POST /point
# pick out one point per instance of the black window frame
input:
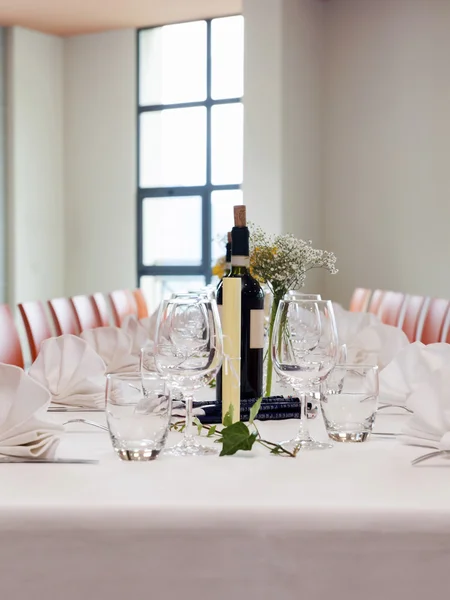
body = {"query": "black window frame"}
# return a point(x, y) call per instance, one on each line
point(204, 191)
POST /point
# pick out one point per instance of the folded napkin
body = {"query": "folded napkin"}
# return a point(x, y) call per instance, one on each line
point(24, 431)
point(71, 370)
point(349, 324)
point(114, 345)
point(376, 345)
point(138, 332)
point(149, 324)
point(412, 367)
point(430, 424)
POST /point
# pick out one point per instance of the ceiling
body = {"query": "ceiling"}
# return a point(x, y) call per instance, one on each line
point(73, 17)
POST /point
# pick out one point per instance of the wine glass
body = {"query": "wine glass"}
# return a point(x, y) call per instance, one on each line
point(297, 295)
point(304, 351)
point(188, 354)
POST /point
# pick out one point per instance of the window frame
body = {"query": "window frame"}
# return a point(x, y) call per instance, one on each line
point(204, 191)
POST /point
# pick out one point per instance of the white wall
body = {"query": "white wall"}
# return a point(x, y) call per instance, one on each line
point(387, 145)
point(283, 121)
point(35, 166)
point(100, 161)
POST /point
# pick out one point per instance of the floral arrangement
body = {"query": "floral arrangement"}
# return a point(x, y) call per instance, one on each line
point(281, 262)
point(219, 268)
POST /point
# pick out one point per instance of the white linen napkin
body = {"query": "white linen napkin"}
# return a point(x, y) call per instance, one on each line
point(430, 424)
point(412, 367)
point(349, 324)
point(24, 432)
point(72, 371)
point(149, 323)
point(377, 344)
point(114, 345)
point(138, 333)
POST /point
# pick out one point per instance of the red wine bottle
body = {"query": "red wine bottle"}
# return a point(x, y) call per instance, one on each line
point(252, 311)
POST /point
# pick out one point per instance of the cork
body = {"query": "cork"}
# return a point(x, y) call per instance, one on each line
point(240, 219)
point(229, 237)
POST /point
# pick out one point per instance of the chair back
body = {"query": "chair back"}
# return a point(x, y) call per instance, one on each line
point(122, 304)
point(360, 300)
point(375, 302)
point(86, 311)
point(36, 325)
point(414, 311)
point(433, 324)
point(102, 307)
point(10, 349)
point(64, 316)
point(141, 303)
point(391, 307)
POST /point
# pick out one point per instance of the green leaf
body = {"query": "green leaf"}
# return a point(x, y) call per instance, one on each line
point(198, 425)
point(237, 437)
point(275, 450)
point(228, 417)
point(211, 431)
point(255, 410)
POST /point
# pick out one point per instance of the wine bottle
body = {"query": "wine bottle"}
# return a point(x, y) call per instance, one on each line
point(228, 255)
point(252, 312)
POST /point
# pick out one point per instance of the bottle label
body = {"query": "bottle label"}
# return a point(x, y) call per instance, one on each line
point(240, 261)
point(257, 328)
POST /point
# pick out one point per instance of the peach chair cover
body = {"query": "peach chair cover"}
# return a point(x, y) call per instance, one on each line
point(87, 313)
point(391, 308)
point(360, 300)
point(10, 350)
point(36, 325)
point(64, 316)
point(375, 302)
point(102, 308)
point(122, 304)
point(413, 314)
point(433, 324)
point(141, 304)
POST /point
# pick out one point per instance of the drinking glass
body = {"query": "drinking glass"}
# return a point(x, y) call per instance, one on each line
point(304, 351)
point(349, 402)
point(297, 295)
point(138, 411)
point(188, 354)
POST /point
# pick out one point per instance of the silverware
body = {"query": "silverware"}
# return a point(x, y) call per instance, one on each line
point(424, 457)
point(86, 422)
point(73, 409)
point(63, 461)
point(385, 434)
point(408, 410)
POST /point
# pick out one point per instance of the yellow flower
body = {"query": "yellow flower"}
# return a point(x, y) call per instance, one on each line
point(219, 268)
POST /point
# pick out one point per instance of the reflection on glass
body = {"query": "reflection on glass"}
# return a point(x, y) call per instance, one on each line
point(227, 57)
point(173, 147)
point(227, 143)
point(222, 219)
point(172, 67)
point(161, 288)
point(172, 231)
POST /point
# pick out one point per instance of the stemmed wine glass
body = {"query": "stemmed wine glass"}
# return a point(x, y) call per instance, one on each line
point(304, 351)
point(188, 354)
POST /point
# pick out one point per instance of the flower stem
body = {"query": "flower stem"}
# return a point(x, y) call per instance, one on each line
point(273, 314)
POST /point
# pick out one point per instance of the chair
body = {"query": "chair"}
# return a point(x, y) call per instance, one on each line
point(36, 325)
point(433, 324)
point(391, 307)
point(141, 303)
point(86, 311)
point(64, 316)
point(102, 308)
point(123, 304)
point(10, 350)
point(375, 302)
point(360, 300)
point(413, 313)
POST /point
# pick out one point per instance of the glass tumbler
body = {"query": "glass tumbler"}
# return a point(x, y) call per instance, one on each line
point(138, 412)
point(349, 401)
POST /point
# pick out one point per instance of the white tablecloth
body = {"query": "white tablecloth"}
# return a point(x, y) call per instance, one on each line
point(354, 522)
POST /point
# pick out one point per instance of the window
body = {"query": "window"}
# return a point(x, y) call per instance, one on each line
point(190, 149)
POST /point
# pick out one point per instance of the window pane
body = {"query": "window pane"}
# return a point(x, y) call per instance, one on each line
point(172, 231)
point(173, 147)
point(172, 63)
point(227, 57)
point(157, 289)
point(222, 218)
point(227, 143)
